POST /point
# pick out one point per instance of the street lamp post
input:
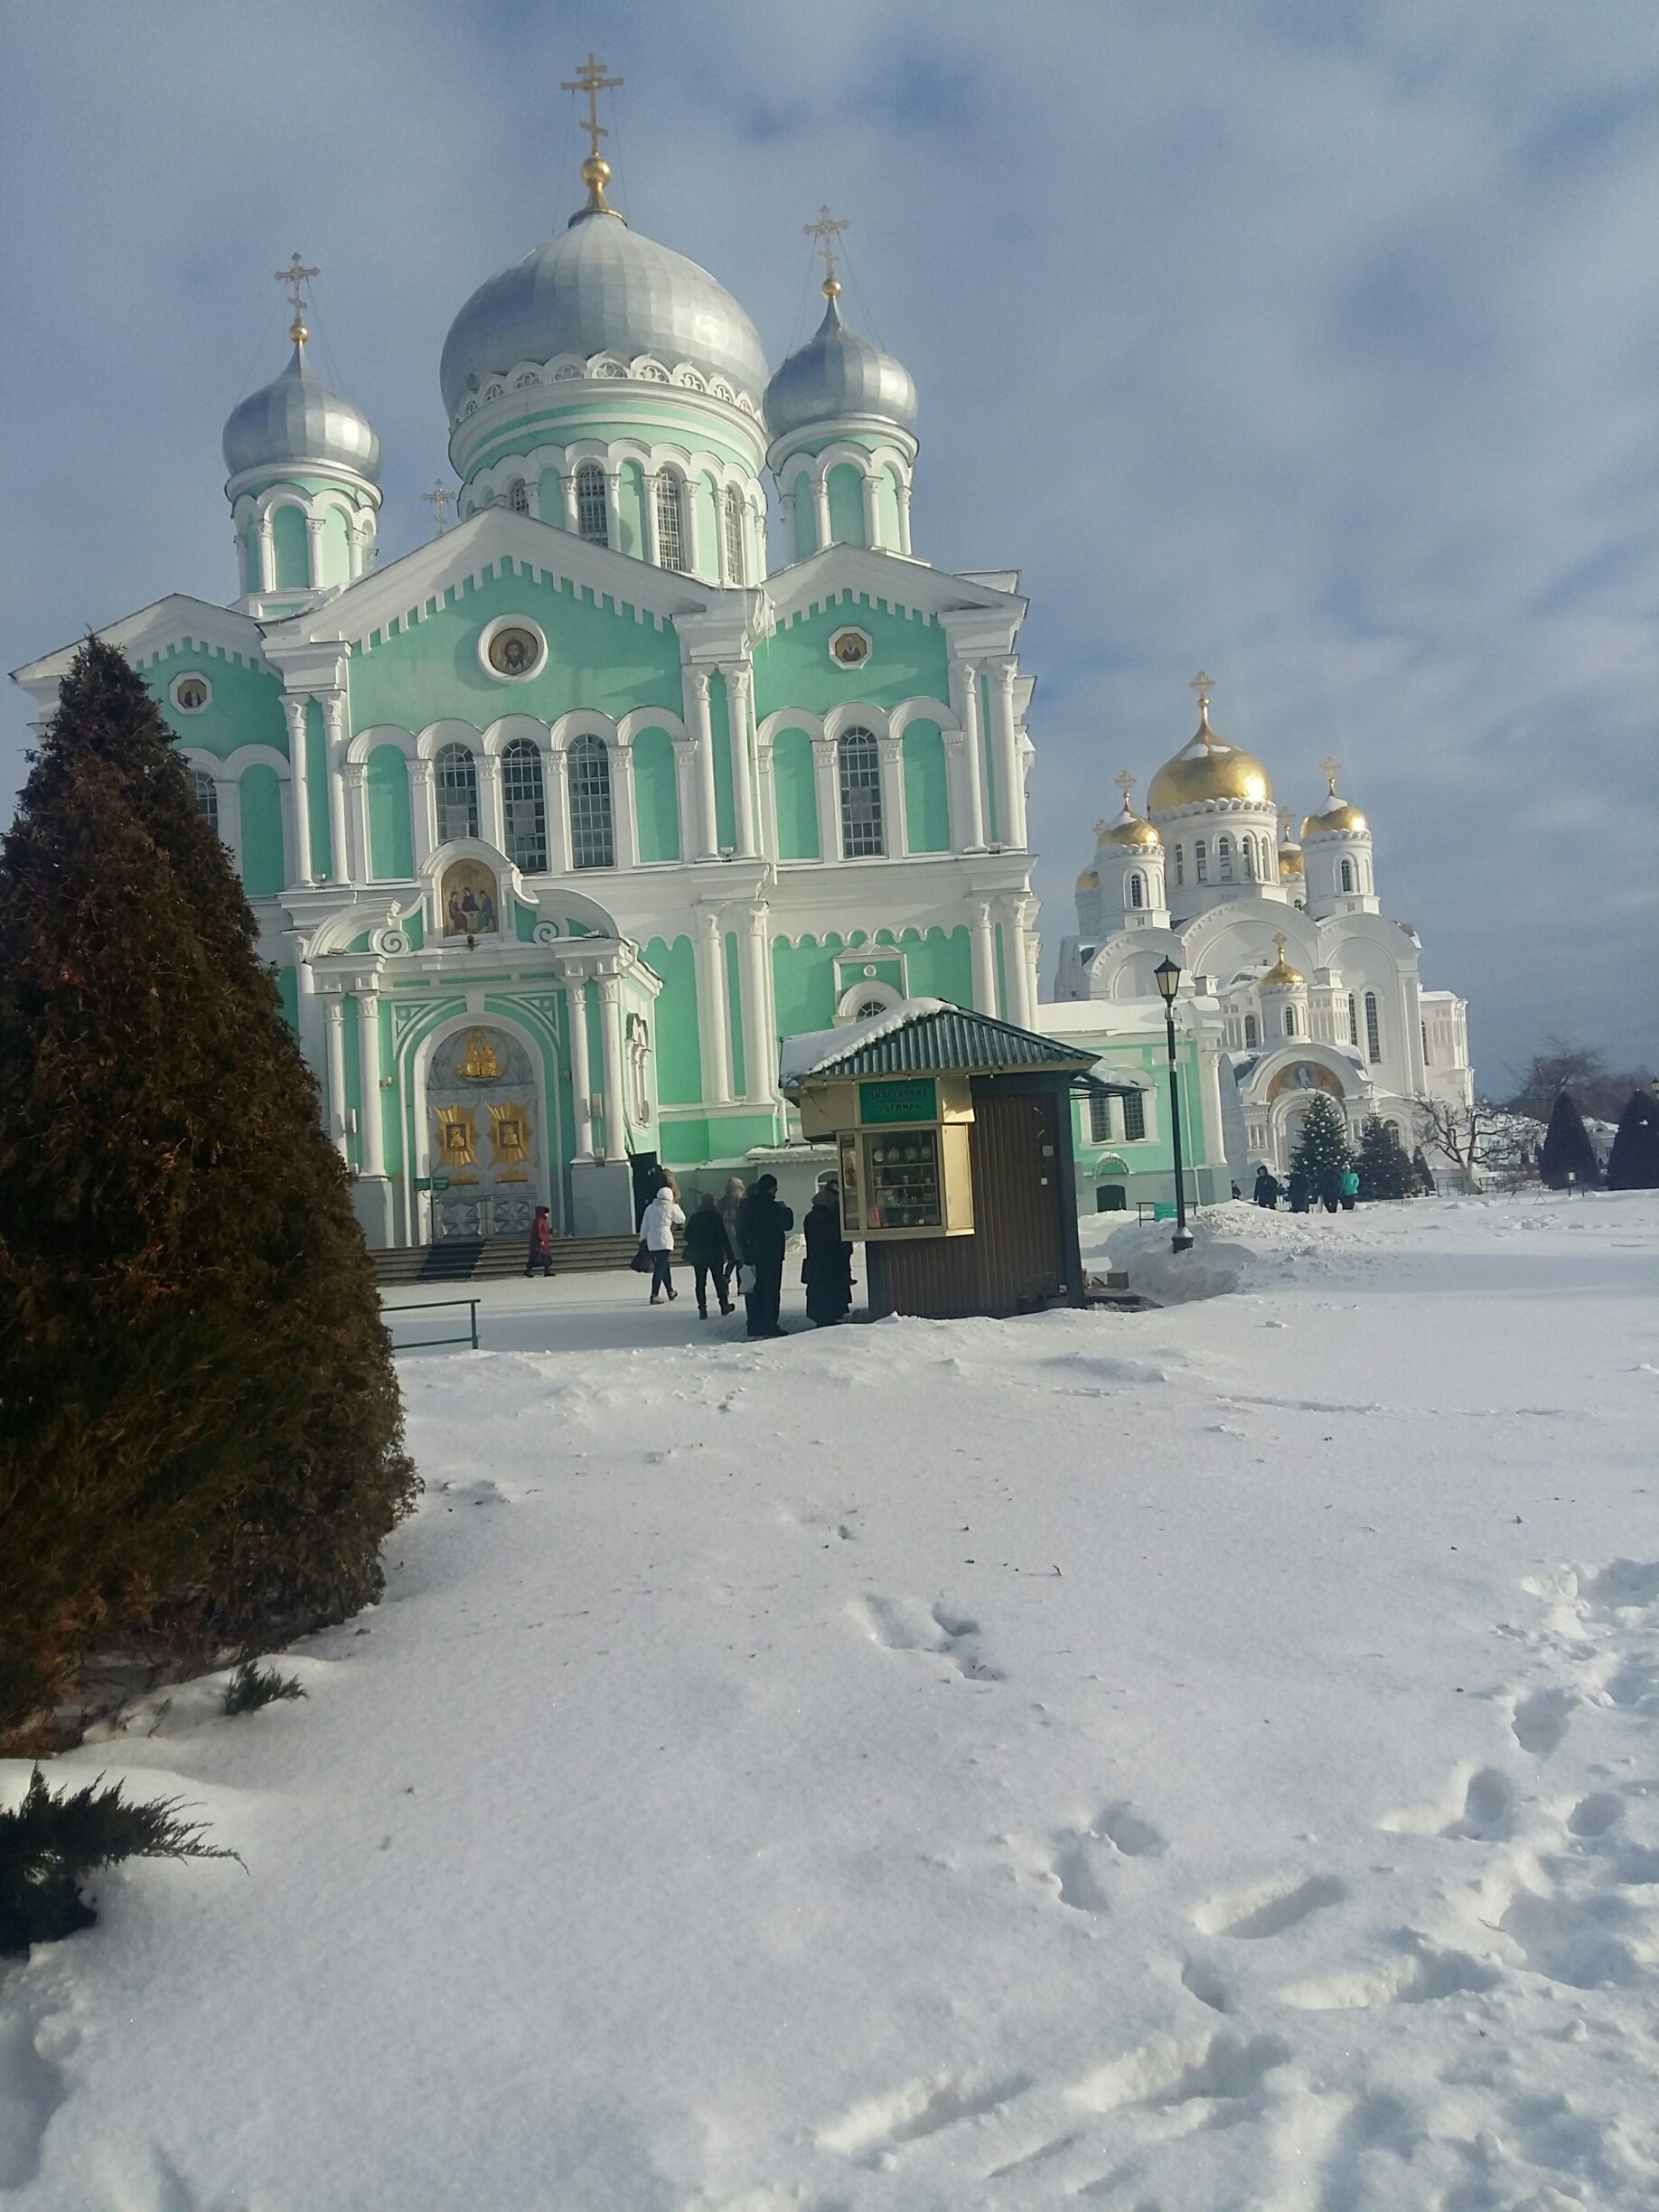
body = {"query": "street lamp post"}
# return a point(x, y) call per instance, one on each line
point(1167, 977)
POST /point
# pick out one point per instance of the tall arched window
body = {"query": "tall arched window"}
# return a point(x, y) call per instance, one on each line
point(592, 829)
point(860, 762)
point(525, 807)
point(670, 521)
point(1247, 847)
point(592, 508)
point(735, 564)
point(1252, 1033)
point(518, 496)
point(1180, 863)
point(1347, 874)
point(457, 793)
point(206, 798)
point(1289, 1021)
point(1201, 860)
point(1353, 1019)
point(1138, 890)
point(1374, 1027)
point(1224, 858)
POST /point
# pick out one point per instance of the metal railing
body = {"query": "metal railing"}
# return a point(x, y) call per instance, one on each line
point(431, 1343)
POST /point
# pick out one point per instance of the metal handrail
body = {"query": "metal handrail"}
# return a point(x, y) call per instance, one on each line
point(432, 1344)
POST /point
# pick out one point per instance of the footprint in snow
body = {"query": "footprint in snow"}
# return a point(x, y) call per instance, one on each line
point(873, 2130)
point(1540, 1720)
point(904, 1624)
point(1269, 1909)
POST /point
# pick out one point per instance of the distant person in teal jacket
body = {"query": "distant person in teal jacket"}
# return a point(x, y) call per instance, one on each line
point(1349, 1188)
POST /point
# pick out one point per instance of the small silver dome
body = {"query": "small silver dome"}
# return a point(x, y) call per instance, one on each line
point(598, 287)
point(296, 419)
point(836, 374)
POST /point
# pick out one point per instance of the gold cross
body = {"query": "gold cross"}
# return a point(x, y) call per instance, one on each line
point(1202, 685)
point(1328, 769)
point(296, 276)
point(826, 231)
point(1125, 783)
point(592, 80)
point(440, 499)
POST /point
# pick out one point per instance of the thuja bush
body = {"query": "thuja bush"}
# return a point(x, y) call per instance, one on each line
point(1566, 1157)
point(1384, 1171)
point(201, 1440)
point(252, 1686)
point(53, 1841)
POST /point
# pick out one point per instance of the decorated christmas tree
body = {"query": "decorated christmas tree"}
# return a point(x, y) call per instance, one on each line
point(1566, 1159)
point(1321, 1144)
point(1634, 1161)
point(1384, 1171)
point(202, 1437)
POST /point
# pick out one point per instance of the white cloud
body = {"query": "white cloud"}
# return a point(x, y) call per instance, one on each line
point(1313, 343)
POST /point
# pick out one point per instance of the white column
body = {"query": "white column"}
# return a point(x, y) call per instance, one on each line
point(648, 518)
point(354, 782)
point(334, 1034)
point(293, 708)
point(556, 793)
point(267, 552)
point(685, 794)
point(610, 1054)
point(702, 737)
point(738, 697)
point(612, 509)
point(371, 1120)
point(904, 508)
point(1034, 954)
point(334, 756)
point(767, 797)
point(984, 959)
point(422, 812)
point(623, 816)
point(895, 835)
point(581, 1076)
point(567, 484)
point(827, 786)
point(1010, 792)
point(313, 550)
point(760, 1042)
point(708, 948)
point(492, 821)
point(820, 507)
point(872, 515)
point(1017, 960)
point(966, 677)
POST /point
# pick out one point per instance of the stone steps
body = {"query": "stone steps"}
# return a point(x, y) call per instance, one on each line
point(463, 1260)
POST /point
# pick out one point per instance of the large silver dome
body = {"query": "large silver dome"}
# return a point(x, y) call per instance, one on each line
point(598, 287)
point(297, 418)
point(836, 374)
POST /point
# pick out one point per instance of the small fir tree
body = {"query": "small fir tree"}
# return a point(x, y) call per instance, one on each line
point(200, 1429)
point(1634, 1162)
point(1422, 1183)
point(1321, 1144)
point(1566, 1157)
point(1384, 1171)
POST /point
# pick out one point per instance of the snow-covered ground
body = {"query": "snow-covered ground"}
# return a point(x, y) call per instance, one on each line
point(1201, 1759)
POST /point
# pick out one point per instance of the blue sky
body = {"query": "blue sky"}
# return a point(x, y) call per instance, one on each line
point(1314, 343)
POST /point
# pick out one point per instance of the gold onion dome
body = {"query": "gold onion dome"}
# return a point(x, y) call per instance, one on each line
point(1130, 829)
point(1281, 976)
point(1208, 767)
point(1088, 881)
point(1290, 852)
point(1338, 815)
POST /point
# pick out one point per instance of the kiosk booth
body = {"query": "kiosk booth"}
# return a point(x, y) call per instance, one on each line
point(952, 1133)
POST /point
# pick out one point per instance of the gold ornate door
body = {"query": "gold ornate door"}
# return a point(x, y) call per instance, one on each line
point(481, 1136)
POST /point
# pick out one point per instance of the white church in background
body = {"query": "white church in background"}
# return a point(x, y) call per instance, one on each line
point(1313, 987)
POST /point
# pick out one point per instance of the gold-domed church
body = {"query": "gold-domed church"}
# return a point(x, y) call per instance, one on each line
point(1294, 968)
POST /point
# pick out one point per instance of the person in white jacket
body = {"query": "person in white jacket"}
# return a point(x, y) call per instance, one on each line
point(662, 1217)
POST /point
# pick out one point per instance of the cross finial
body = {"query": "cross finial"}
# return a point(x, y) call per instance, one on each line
point(1329, 770)
point(1125, 783)
point(592, 80)
point(826, 231)
point(296, 276)
point(440, 499)
point(1202, 685)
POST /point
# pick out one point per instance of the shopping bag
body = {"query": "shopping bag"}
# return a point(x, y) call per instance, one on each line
point(642, 1263)
point(746, 1280)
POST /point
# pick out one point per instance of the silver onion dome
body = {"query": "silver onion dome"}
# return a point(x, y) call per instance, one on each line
point(599, 287)
point(297, 418)
point(837, 373)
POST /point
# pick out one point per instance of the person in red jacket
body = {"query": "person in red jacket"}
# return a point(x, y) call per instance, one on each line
point(541, 1254)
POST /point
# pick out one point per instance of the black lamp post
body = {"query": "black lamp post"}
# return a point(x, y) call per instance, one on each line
point(1167, 977)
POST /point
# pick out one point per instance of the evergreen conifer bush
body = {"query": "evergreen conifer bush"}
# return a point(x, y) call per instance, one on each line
point(1423, 1176)
point(201, 1439)
point(1567, 1155)
point(252, 1686)
point(1322, 1142)
point(1634, 1162)
point(52, 1844)
point(1384, 1171)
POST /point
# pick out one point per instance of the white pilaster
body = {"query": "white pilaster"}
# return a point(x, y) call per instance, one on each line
point(567, 484)
point(556, 793)
point(581, 1075)
point(894, 833)
point(612, 509)
point(820, 508)
point(648, 518)
point(760, 1042)
point(702, 738)
point(371, 1119)
point(354, 784)
point(334, 758)
point(492, 820)
point(984, 957)
point(266, 538)
point(610, 1051)
point(422, 812)
point(872, 515)
point(293, 709)
point(623, 814)
point(965, 681)
point(766, 790)
point(827, 784)
point(738, 694)
point(335, 1035)
point(313, 550)
point(685, 794)
point(1012, 914)
point(904, 508)
point(1005, 747)
point(714, 1031)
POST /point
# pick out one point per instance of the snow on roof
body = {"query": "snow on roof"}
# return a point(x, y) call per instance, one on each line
point(814, 1047)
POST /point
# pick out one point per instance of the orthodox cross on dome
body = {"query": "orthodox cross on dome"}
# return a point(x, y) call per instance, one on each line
point(826, 231)
point(440, 499)
point(296, 276)
point(1125, 783)
point(592, 80)
point(1202, 685)
point(1328, 769)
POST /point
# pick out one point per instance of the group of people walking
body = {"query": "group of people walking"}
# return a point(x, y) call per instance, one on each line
point(1333, 1187)
point(742, 1236)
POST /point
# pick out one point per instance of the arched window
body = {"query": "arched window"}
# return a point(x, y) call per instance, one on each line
point(734, 535)
point(457, 793)
point(869, 1009)
point(1138, 890)
point(670, 521)
point(1201, 861)
point(592, 508)
point(1373, 1028)
point(1424, 1026)
point(1247, 846)
point(1347, 874)
point(525, 807)
point(1224, 858)
point(1353, 1021)
point(1289, 1021)
point(592, 829)
point(1134, 1116)
point(206, 798)
point(518, 496)
point(1180, 865)
point(1252, 1033)
point(860, 762)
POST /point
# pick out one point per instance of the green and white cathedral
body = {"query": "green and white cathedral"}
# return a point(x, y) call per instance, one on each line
point(557, 826)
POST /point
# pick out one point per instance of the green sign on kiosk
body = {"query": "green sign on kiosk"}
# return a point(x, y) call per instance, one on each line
point(887, 1105)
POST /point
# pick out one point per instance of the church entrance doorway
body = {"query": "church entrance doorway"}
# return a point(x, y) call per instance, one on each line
point(483, 1147)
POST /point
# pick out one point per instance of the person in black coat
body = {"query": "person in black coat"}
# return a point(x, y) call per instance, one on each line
point(1267, 1187)
point(763, 1224)
point(710, 1253)
point(827, 1270)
